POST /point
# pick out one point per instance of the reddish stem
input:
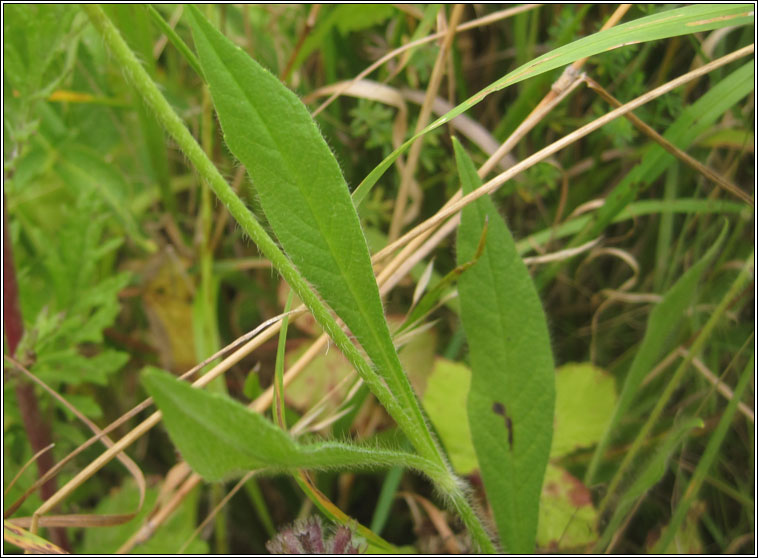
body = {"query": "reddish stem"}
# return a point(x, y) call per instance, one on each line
point(37, 430)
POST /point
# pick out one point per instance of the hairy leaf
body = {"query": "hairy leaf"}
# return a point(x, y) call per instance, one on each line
point(512, 396)
point(304, 196)
point(221, 438)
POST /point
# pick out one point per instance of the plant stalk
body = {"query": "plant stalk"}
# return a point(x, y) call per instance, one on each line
point(416, 430)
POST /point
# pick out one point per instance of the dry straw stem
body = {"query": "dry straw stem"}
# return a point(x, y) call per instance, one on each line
point(131, 466)
point(398, 214)
point(25, 467)
point(671, 148)
point(486, 20)
point(437, 518)
point(553, 148)
point(562, 87)
point(721, 387)
point(561, 254)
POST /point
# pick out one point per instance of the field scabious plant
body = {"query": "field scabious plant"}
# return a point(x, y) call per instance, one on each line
point(505, 418)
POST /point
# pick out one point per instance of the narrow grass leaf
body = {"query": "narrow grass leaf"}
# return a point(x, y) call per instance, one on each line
point(512, 396)
point(705, 463)
point(670, 23)
point(386, 499)
point(662, 326)
point(342, 19)
point(433, 296)
point(689, 125)
point(221, 438)
point(636, 209)
point(279, 367)
point(650, 474)
point(304, 196)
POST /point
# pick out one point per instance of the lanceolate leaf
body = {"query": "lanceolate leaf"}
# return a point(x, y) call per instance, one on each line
point(512, 395)
point(303, 194)
point(220, 437)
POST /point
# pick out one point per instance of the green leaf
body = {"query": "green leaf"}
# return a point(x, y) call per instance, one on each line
point(584, 403)
point(671, 23)
point(33, 42)
point(84, 170)
point(304, 196)
point(221, 438)
point(512, 396)
point(662, 326)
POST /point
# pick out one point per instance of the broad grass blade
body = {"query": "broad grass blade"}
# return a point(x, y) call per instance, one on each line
point(512, 396)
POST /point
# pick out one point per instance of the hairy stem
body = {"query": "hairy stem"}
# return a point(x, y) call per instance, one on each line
point(411, 423)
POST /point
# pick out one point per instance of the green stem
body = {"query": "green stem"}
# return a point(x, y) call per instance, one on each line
point(676, 379)
point(184, 139)
point(411, 423)
point(479, 535)
point(175, 39)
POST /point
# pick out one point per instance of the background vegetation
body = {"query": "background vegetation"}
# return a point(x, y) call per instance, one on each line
point(642, 261)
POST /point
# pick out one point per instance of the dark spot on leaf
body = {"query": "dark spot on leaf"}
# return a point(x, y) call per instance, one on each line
point(499, 409)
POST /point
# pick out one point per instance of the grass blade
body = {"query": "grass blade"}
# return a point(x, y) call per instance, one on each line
point(676, 378)
point(664, 322)
point(650, 474)
point(512, 396)
point(672, 23)
point(705, 463)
